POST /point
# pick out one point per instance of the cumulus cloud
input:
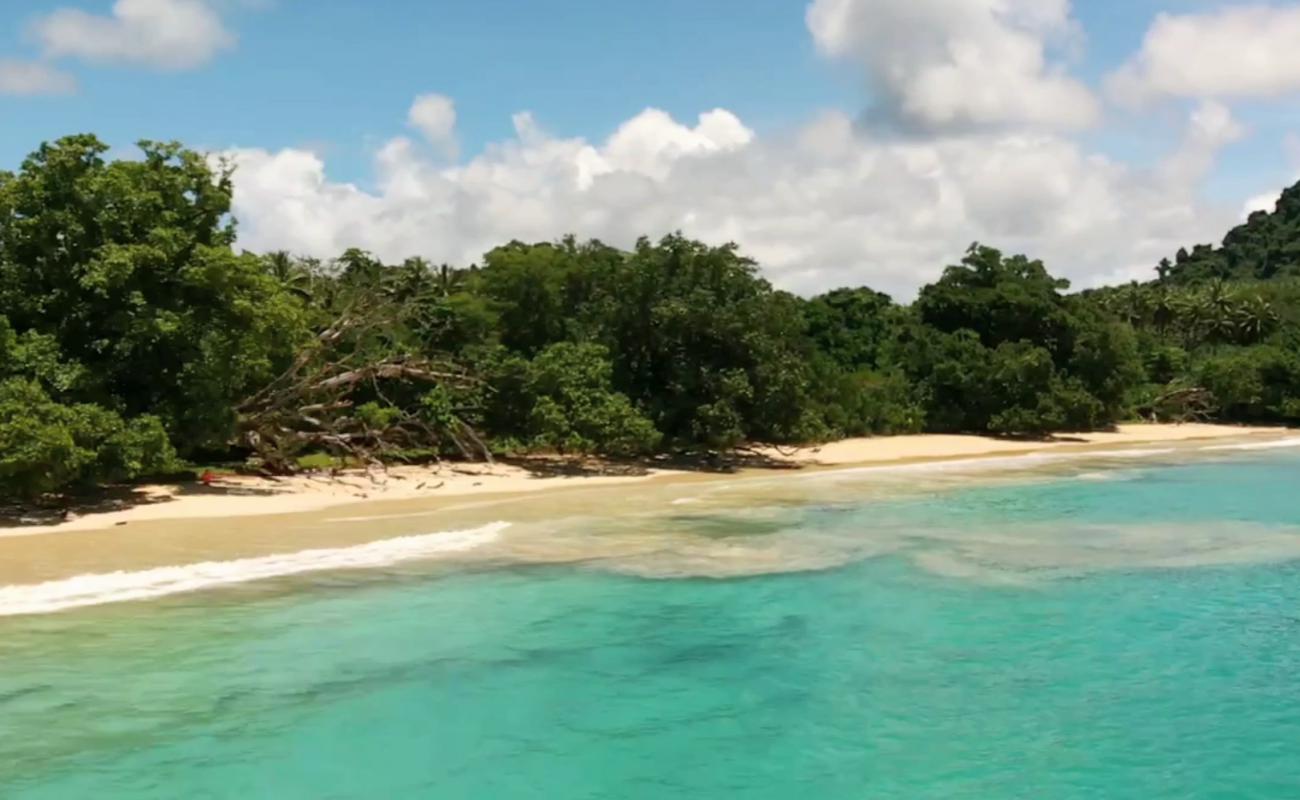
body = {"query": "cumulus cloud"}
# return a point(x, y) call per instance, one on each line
point(434, 116)
point(1267, 200)
point(166, 34)
point(652, 142)
point(823, 206)
point(982, 155)
point(1210, 128)
point(959, 64)
point(1260, 202)
point(33, 78)
point(1238, 51)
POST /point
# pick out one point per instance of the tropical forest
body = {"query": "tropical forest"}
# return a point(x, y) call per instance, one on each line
point(137, 339)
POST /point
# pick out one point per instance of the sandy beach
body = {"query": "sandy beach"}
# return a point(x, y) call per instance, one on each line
point(236, 496)
point(240, 496)
point(933, 447)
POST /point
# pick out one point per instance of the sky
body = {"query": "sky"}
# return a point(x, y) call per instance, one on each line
point(838, 142)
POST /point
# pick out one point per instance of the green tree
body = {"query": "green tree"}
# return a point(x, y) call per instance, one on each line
point(127, 269)
point(290, 273)
point(1000, 299)
point(1253, 384)
point(576, 410)
point(1106, 363)
point(851, 326)
point(47, 446)
point(997, 346)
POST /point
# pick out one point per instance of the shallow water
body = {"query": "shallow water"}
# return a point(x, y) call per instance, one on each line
point(1105, 627)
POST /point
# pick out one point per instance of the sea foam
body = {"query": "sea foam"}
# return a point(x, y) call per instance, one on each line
point(114, 587)
point(1273, 445)
point(990, 463)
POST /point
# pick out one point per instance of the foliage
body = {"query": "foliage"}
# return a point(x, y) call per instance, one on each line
point(998, 347)
point(707, 349)
point(1254, 384)
point(46, 445)
point(1265, 247)
point(867, 403)
point(126, 273)
point(1000, 299)
point(851, 326)
point(575, 409)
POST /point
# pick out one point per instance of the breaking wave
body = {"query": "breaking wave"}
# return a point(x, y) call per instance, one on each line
point(1273, 445)
point(114, 587)
point(994, 463)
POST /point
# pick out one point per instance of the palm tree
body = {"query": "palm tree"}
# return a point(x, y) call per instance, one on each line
point(1255, 319)
point(412, 280)
point(1127, 304)
point(290, 272)
point(1192, 314)
point(1164, 309)
point(1219, 310)
point(449, 280)
point(359, 268)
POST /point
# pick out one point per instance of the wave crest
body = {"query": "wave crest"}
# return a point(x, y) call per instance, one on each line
point(113, 587)
point(1273, 445)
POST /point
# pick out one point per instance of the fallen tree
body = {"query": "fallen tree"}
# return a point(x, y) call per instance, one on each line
point(1183, 404)
point(351, 393)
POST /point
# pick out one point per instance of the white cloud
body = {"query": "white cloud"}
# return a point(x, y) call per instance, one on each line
point(33, 78)
point(167, 34)
point(1239, 51)
point(1260, 202)
point(1209, 129)
point(959, 64)
point(652, 142)
point(434, 116)
point(821, 207)
point(1267, 201)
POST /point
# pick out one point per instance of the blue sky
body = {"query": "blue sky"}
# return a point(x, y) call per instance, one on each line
point(335, 78)
point(342, 72)
point(338, 75)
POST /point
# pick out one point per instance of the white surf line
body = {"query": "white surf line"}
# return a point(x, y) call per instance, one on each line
point(115, 587)
point(990, 463)
point(1274, 445)
point(522, 497)
point(1136, 453)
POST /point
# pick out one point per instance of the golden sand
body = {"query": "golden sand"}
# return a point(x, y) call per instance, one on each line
point(243, 518)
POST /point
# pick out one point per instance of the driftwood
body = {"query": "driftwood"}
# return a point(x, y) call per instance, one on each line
point(313, 404)
point(1184, 404)
point(386, 371)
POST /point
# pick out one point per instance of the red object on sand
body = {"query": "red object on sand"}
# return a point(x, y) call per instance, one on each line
point(207, 477)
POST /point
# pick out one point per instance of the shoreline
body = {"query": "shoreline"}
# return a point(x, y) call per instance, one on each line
point(300, 518)
point(233, 497)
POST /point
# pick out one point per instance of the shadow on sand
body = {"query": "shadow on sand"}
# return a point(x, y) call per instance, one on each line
point(713, 462)
point(113, 498)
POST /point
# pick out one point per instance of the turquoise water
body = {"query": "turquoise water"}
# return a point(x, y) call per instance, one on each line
point(1113, 630)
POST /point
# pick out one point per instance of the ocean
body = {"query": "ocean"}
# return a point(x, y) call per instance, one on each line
point(1115, 625)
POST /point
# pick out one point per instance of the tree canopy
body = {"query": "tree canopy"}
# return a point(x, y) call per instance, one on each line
point(1266, 246)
